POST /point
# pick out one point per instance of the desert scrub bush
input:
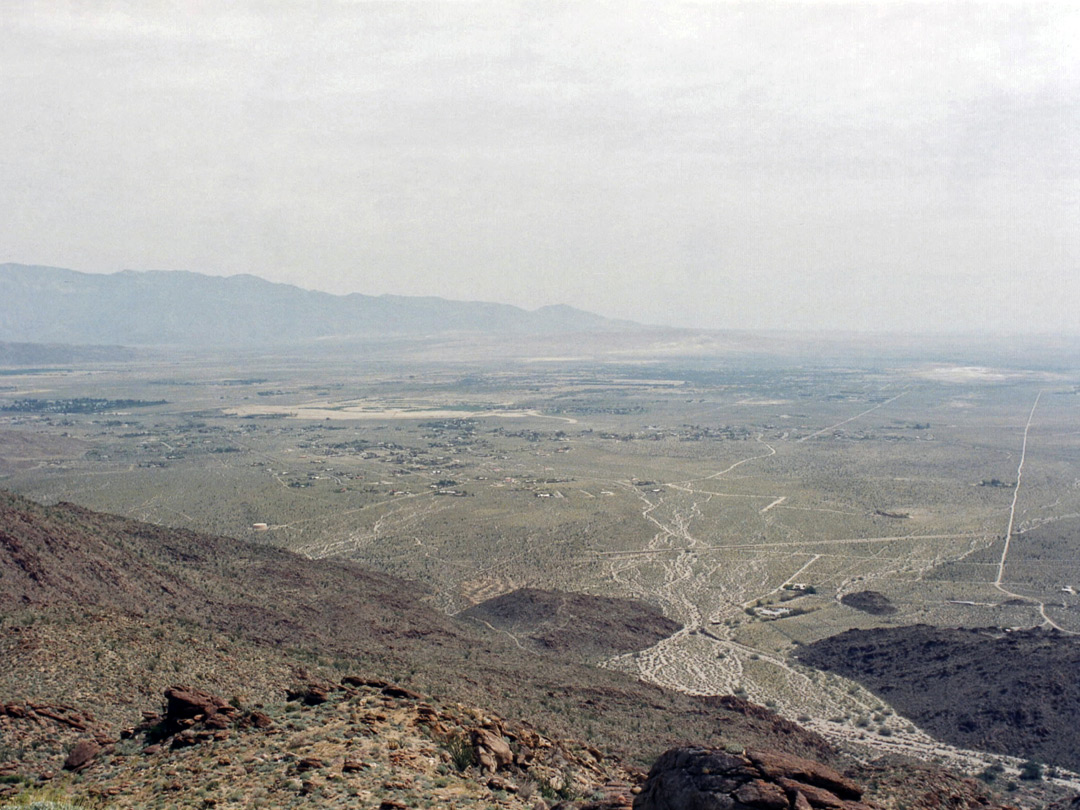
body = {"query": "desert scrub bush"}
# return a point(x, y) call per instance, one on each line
point(1031, 771)
point(460, 751)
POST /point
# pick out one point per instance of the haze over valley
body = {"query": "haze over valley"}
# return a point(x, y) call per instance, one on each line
point(757, 499)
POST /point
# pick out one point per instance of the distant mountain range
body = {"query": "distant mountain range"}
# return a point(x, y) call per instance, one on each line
point(156, 308)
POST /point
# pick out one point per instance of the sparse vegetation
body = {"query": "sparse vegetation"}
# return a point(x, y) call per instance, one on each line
point(461, 752)
point(616, 482)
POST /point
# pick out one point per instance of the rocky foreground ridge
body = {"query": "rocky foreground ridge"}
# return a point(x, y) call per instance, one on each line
point(368, 743)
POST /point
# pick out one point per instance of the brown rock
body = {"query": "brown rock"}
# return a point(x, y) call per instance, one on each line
point(313, 694)
point(401, 692)
point(498, 783)
point(820, 797)
point(218, 721)
point(356, 680)
point(80, 757)
point(774, 765)
point(186, 703)
point(694, 779)
point(492, 750)
point(709, 779)
point(310, 764)
point(353, 766)
point(260, 720)
point(73, 719)
point(764, 795)
point(185, 739)
point(427, 716)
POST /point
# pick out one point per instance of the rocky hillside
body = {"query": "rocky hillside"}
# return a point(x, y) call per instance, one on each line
point(1008, 692)
point(248, 617)
point(359, 743)
point(367, 743)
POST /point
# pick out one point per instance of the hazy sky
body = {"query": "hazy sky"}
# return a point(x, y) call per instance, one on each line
point(864, 165)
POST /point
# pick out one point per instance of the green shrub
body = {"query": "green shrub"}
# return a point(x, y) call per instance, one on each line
point(1031, 771)
point(460, 751)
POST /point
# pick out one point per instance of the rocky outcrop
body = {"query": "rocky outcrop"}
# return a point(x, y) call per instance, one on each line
point(492, 751)
point(711, 779)
point(186, 706)
point(81, 756)
point(192, 716)
point(58, 713)
point(389, 689)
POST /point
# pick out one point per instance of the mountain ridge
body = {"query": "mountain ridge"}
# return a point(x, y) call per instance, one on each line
point(186, 308)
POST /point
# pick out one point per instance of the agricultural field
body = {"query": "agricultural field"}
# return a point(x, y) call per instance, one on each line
point(744, 497)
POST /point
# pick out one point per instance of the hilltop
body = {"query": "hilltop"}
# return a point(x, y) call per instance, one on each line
point(574, 624)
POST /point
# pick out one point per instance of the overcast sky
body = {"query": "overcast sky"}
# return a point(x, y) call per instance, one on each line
point(866, 165)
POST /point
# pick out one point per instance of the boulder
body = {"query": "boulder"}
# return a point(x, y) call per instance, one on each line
point(185, 739)
point(775, 764)
point(711, 779)
point(401, 692)
point(310, 695)
point(81, 756)
point(260, 720)
point(759, 793)
point(185, 703)
point(492, 751)
point(358, 681)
